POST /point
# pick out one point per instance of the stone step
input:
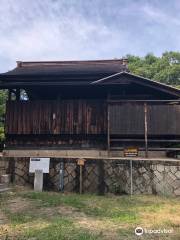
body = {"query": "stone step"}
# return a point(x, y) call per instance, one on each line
point(3, 185)
point(4, 190)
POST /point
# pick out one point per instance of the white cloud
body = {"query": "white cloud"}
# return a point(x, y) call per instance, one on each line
point(55, 35)
point(76, 29)
point(159, 16)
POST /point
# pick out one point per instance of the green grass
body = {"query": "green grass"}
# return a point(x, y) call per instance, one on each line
point(53, 215)
point(102, 206)
point(60, 228)
point(19, 218)
point(49, 199)
point(122, 209)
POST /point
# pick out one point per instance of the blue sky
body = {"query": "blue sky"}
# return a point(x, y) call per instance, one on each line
point(86, 29)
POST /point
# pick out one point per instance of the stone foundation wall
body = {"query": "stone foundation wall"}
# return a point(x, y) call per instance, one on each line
point(21, 172)
point(103, 176)
point(4, 165)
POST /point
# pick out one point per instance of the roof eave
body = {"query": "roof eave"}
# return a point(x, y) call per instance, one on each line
point(161, 86)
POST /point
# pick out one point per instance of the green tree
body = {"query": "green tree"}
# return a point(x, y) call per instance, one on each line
point(3, 97)
point(165, 69)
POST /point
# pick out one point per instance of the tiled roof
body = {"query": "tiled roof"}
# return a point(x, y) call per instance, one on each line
point(72, 70)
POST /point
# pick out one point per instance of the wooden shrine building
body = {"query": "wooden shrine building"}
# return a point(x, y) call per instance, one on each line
point(93, 109)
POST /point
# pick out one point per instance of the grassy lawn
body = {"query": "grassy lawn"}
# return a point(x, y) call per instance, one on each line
point(54, 216)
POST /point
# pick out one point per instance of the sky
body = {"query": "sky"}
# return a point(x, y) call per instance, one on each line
point(35, 30)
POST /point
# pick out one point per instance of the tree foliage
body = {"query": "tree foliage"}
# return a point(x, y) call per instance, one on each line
point(3, 97)
point(165, 69)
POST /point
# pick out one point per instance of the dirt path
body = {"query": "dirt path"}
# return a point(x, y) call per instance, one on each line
point(18, 204)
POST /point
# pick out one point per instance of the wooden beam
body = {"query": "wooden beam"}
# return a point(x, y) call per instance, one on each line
point(171, 101)
point(142, 140)
point(149, 149)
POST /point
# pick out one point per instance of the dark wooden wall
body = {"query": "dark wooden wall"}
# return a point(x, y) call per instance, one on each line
point(128, 119)
point(164, 119)
point(89, 117)
point(56, 117)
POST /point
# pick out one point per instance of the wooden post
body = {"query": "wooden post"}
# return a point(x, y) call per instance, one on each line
point(108, 126)
point(80, 179)
point(9, 94)
point(17, 94)
point(11, 168)
point(145, 130)
point(101, 183)
point(80, 162)
point(61, 175)
point(131, 178)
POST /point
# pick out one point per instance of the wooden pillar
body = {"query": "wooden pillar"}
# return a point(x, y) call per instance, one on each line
point(101, 184)
point(17, 94)
point(80, 162)
point(11, 168)
point(131, 177)
point(9, 94)
point(80, 179)
point(145, 130)
point(108, 125)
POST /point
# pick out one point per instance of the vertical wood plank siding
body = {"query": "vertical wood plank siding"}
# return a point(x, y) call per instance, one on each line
point(90, 117)
point(128, 119)
point(164, 119)
point(56, 117)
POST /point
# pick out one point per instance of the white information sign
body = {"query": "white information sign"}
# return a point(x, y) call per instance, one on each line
point(39, 164)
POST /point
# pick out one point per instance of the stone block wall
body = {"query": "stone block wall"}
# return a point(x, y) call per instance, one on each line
point(107, 176)
point(166, 179)
point(21, 172)
point(4, 165)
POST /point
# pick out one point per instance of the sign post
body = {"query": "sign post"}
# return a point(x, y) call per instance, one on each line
point(131, 169)
point(80, 162)
point(38, 166)
point(38, 181)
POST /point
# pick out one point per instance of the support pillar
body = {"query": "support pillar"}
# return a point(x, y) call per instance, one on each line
point(101, 177)
point(80, 162)
point(145, 130)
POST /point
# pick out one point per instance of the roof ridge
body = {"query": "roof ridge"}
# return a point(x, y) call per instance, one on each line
point(122, 61)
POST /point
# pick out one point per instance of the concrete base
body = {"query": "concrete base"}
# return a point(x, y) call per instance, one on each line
point(86, 154)
point(56, 153)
